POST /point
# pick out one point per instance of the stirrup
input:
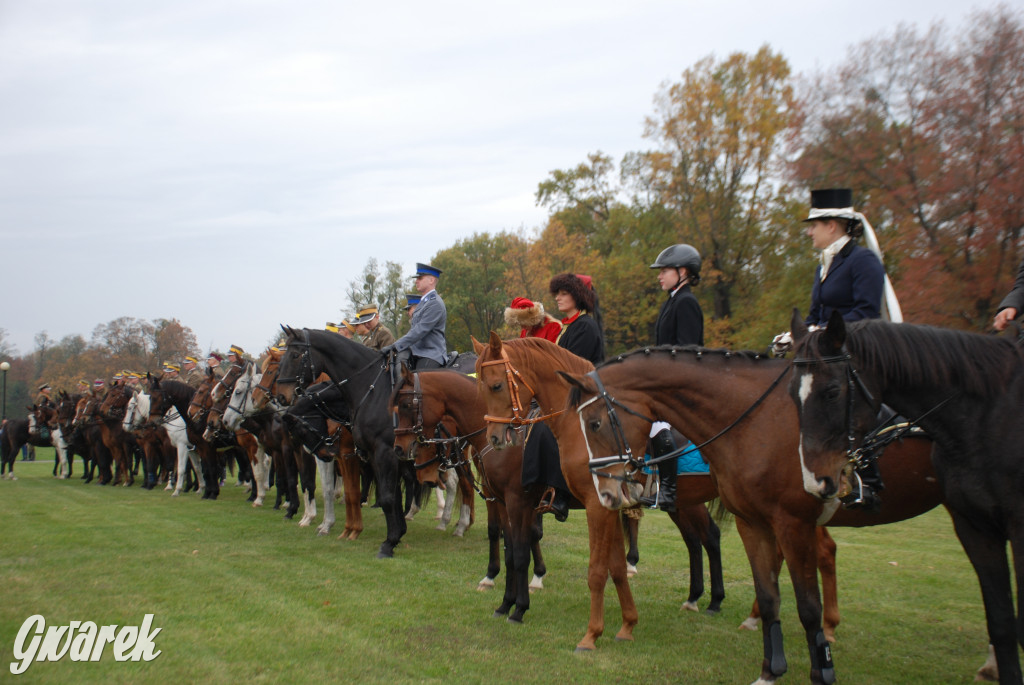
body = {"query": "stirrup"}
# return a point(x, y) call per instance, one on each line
point(547, 498)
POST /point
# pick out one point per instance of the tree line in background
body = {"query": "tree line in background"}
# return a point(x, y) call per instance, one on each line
point(926, 126)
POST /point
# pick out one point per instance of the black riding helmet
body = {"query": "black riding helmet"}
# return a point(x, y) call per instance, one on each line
point(679, 256)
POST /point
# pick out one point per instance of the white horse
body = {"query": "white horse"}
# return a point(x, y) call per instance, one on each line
point(239, 408)
point(57, 439)
point(137, 413)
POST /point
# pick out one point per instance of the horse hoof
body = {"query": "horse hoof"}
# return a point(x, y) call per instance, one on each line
point(750, 623)
point(689, 606)
point(712, 612)
point(582, 650)
point(513, 619)
point(498, 614)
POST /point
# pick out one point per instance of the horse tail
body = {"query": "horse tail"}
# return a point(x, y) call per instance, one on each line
point(719, 513)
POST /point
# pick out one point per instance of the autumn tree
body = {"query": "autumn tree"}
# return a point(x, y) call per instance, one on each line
point(929, 131)
point(717, 135)
point(383, 287)
point(172, 342)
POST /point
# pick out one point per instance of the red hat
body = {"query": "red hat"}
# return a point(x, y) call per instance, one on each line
point(214, 355)
point(522, 303)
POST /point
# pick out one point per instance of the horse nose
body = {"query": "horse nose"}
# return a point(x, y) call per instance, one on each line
point(399, 451)
point(494, 441)
point(827, 487)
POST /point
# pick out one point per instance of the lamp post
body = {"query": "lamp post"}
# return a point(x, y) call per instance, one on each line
point(5, 367)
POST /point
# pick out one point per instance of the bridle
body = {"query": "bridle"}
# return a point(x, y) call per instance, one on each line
point(625, 454)
point(446, 443)
point(874, 441)
point(521, 417)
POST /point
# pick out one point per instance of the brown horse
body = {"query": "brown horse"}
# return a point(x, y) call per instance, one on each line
point(424, 401)
point(121, 444)
point(513, 372)
point(748, 431)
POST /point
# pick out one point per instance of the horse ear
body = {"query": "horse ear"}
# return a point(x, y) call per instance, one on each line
point(797, 327)
point(582, 382)
point(495, 343)
point(478, 347)
point(406, 373)
point(835, 333)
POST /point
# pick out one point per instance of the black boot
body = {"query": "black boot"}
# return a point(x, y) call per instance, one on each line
point(866, 484)
point(661, 444)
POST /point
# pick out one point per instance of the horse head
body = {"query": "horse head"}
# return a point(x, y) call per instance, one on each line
point(296, 365)
point(505, 392)
point(614, 436)
point(115, 403)
point(263, 391)
point(835, 407)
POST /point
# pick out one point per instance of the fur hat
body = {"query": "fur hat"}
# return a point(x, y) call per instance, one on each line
point(579, 286)
point(523, 313)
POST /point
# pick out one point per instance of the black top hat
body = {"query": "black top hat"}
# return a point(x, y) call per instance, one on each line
point(828, 199)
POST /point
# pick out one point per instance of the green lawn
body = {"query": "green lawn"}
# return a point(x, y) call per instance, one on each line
point(243, 595)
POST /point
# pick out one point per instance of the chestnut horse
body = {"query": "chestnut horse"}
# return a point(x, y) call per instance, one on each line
point(423, 401)
point(511, 374)
point(967, 391)
point(748, 432)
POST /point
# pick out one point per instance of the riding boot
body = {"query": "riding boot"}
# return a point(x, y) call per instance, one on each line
point(556, 501)
point(866, 484)
point(661, 444)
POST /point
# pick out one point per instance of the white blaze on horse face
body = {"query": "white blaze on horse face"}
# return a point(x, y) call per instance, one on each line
point(812, 484)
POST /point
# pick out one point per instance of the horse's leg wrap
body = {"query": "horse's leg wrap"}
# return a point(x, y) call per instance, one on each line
point(821, 658)
point(773, 651)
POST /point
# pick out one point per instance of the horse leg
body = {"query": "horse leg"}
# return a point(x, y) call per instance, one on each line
point(494, 527)
point(631, 529)
point(351, 466)
point(986, 550)
point(540, 569)
point(326, 470)
point(259, 475)
point(450, 480)
point(711, 539)
point(307, 486)
point(607, 557)
point(465, 490)
point(800, 551)
point(389, 497)
point(686, 520)
point(762, 553)
point(524, 541)
point(829, 586)
point(440, 501)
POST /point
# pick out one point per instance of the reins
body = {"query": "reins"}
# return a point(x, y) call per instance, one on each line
point(626, 454)
point(518, 419)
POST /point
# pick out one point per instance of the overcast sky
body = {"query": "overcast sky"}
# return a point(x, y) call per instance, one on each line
point(235, 164)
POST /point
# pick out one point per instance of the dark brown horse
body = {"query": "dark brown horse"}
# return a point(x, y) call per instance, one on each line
point(121, 444)
point(967, 391)
point(734, 404)
point(423, 402)
point(511, 374)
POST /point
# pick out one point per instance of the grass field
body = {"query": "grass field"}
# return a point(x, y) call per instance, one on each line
point(243, 595)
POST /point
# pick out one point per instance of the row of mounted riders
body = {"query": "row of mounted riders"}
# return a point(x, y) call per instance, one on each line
point(337, 398)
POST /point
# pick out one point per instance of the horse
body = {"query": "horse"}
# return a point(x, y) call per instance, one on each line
point(87, 425)
point(513, 372)
point(748, 433)
point(18, 432)
point(167, 395)
point(423, 403)
point(319, 421)
point(67, 406)
point(122, 445)
point(362, 375)
point(965, 390)
point(43, 422)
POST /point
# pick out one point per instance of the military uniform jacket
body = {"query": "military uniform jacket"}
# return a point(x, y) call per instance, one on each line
point(379, 337)
point(194, 378)
point(853, 287)
point(426, 337)
point(1015, 298)
point(680, 320)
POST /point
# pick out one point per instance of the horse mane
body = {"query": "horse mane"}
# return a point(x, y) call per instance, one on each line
point(536, 350)
point(927, 357)
point(334, 340)
point(695, 351)
point(178, 391)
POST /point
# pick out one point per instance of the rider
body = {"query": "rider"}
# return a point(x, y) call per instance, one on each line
point(213, 361)
point(1012, 304)
point(193, 376)
point(375, 334)
point(580, 334)
point(425, 342)
point(850, 280)
point(680, 322)
point(532, 320)
point(43, 398)
point(412, 300)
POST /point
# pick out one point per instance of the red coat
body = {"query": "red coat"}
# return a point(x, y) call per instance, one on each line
point(548, 330)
